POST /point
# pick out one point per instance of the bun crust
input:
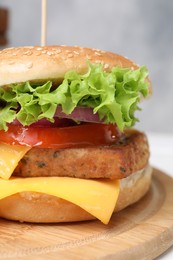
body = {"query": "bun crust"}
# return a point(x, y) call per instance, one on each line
point(42, 208)
point(52, 62)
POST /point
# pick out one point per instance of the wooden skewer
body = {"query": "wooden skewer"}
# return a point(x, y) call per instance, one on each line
point(43, 22)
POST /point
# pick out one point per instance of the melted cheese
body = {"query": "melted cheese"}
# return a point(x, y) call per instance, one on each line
point(10, 155)
point(98, 197)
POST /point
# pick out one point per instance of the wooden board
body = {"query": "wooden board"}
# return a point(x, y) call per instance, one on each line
point(142, 231)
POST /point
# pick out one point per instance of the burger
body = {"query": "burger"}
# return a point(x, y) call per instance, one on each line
point(68, 150)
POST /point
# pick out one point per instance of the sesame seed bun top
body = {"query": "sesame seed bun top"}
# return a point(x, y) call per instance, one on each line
point(35, 63)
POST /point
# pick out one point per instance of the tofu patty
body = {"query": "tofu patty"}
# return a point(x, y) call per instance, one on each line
point(117, 161)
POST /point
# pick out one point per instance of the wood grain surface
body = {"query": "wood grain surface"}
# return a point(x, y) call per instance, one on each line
point(142, 231)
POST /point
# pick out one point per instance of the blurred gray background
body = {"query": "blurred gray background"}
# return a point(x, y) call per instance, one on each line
point(141, 30)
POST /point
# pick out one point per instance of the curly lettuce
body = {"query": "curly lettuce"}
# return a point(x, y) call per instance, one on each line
point(113, 95)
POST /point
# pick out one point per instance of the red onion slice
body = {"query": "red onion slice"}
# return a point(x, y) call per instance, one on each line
point(84, 114)
point(58, 122)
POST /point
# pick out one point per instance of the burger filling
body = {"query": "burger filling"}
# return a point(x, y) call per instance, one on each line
point(112, 97)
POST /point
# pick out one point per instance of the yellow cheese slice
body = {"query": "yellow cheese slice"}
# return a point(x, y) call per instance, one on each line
point(10, 155)
point(98, 197)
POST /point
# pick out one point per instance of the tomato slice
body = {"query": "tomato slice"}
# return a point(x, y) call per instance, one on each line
point(65, 137)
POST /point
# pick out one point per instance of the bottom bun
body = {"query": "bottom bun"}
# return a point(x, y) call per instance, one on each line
point(43, 208)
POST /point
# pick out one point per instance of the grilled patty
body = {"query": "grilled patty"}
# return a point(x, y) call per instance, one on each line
point(118, 161)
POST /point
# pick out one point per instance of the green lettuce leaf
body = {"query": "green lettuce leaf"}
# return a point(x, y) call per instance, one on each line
point(113, 95)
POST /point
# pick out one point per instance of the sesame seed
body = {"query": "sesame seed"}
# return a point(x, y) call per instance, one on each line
point(97, 53)
point(11, 62)
point(76, 52)
point(58, 51)
point(28, 53)
point(99, 61)
point(97, 50)
point(39, 49)
point(50, 53)
point(106, 66)
point(88, 57)
point(7, 50)
point(70, 55)
point(29, 65)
